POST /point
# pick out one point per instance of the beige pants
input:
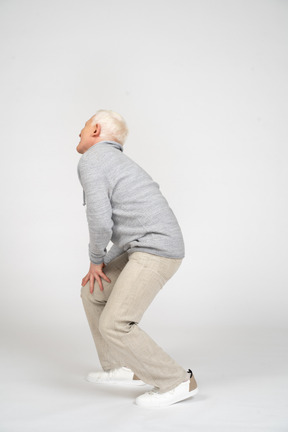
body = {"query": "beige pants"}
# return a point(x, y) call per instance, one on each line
point(114, 313)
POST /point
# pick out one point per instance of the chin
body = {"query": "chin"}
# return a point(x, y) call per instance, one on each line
point(79, 150)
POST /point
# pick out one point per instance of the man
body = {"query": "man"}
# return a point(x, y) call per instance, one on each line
point(125, 205)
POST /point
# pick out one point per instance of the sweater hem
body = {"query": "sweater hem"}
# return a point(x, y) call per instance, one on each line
point(153, 252)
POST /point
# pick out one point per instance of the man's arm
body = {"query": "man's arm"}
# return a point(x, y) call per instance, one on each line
point(98, 210)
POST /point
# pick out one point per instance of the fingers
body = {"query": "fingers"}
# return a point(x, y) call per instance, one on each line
point(91, 284)
point(92, 278)
point(100, 283)
point(84, 280)
point(104, 276)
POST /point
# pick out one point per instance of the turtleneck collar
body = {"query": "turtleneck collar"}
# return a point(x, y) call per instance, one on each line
point(111, 143)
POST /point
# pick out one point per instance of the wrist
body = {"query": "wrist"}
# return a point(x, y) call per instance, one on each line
point(96, 264)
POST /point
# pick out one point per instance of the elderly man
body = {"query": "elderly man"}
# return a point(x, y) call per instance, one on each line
point(125, 205)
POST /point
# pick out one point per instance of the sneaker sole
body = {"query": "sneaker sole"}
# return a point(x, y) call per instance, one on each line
point(172, 401)
point(118, 382)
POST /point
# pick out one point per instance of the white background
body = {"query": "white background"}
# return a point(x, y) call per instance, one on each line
point(203, 88)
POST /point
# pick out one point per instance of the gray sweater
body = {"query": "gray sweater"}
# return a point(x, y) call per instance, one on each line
point(125, 205)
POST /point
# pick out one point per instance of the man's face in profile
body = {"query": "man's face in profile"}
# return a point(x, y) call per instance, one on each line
point(87, 137)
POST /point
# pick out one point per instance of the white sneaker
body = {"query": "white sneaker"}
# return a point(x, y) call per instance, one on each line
point(122, 375)
point(154, 399)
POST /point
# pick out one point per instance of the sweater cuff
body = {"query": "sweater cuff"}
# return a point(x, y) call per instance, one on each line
point(96, 263)
point(96, 259)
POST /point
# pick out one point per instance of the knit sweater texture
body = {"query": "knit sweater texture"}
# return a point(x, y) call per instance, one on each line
point(124, 205)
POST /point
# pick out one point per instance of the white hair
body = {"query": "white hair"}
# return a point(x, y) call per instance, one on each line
point(112, 125)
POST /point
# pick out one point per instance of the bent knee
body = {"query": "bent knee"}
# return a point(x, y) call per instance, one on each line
point(96, 296)
point(85, 291)
point(110, 327)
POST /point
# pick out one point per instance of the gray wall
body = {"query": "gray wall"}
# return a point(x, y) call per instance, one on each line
point(203, 87)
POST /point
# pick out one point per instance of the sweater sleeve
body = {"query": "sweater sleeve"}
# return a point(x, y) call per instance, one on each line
point(98, 210)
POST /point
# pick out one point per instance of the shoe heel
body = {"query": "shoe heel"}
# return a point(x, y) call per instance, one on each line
point(135, 377)
point(193, 384)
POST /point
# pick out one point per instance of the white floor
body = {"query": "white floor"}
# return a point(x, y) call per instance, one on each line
point(241, 374)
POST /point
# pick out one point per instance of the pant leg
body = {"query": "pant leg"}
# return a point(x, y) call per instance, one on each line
point(94, 304)
point(139, 282)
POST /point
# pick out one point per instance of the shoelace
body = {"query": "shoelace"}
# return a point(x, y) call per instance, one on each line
point(112, 373)
point(153, 391)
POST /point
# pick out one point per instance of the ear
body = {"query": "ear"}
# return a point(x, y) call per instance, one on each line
point(97, 130)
